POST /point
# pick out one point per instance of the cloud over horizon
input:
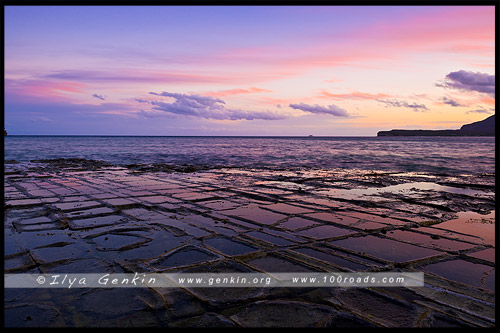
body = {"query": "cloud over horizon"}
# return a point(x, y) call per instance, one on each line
point(451, 102)
point(482, 110)
point(469, 81)
point(403, 104)
point(206, 107)
point(330, 109)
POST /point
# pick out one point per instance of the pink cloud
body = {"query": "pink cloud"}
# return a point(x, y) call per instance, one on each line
point(283, 101)
point(447, 28)
point(43, 89)
point(191, 76)
point(39, 88)
point(286, 61)
point(473, 47)
point(484, 65)
point(444, 29)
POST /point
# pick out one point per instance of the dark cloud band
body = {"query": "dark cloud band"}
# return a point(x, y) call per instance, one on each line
point(330, 109)
point(101, 97)
point(451, 102)
point(403, 104)
point(206, 107)
point(469, 81)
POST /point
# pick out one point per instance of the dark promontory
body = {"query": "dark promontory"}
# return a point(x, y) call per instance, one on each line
point(484, 127)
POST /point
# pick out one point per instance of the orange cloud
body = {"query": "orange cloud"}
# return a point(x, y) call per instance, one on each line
point(354, 95)
point(333, 80)
point(488, 100)
point(251, 90)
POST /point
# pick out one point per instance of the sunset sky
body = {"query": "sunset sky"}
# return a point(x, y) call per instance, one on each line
point(221, 70)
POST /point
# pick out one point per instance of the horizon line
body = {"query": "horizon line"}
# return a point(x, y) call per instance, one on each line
point(202, 136)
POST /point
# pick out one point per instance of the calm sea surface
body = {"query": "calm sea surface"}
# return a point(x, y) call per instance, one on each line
point(450, 155)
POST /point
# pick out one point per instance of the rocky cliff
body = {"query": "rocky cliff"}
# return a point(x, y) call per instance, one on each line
point(484, 127)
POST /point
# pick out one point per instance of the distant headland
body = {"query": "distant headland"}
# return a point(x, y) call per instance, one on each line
point(484, 127)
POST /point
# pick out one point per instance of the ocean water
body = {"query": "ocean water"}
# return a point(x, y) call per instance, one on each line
point(438, 155)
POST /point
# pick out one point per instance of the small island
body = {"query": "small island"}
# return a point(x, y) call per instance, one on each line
point(484, 127)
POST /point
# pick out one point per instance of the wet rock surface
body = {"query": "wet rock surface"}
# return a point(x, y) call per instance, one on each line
point(88, 216)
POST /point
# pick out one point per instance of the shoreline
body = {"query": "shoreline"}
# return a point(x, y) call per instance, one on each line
point(84, 164)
